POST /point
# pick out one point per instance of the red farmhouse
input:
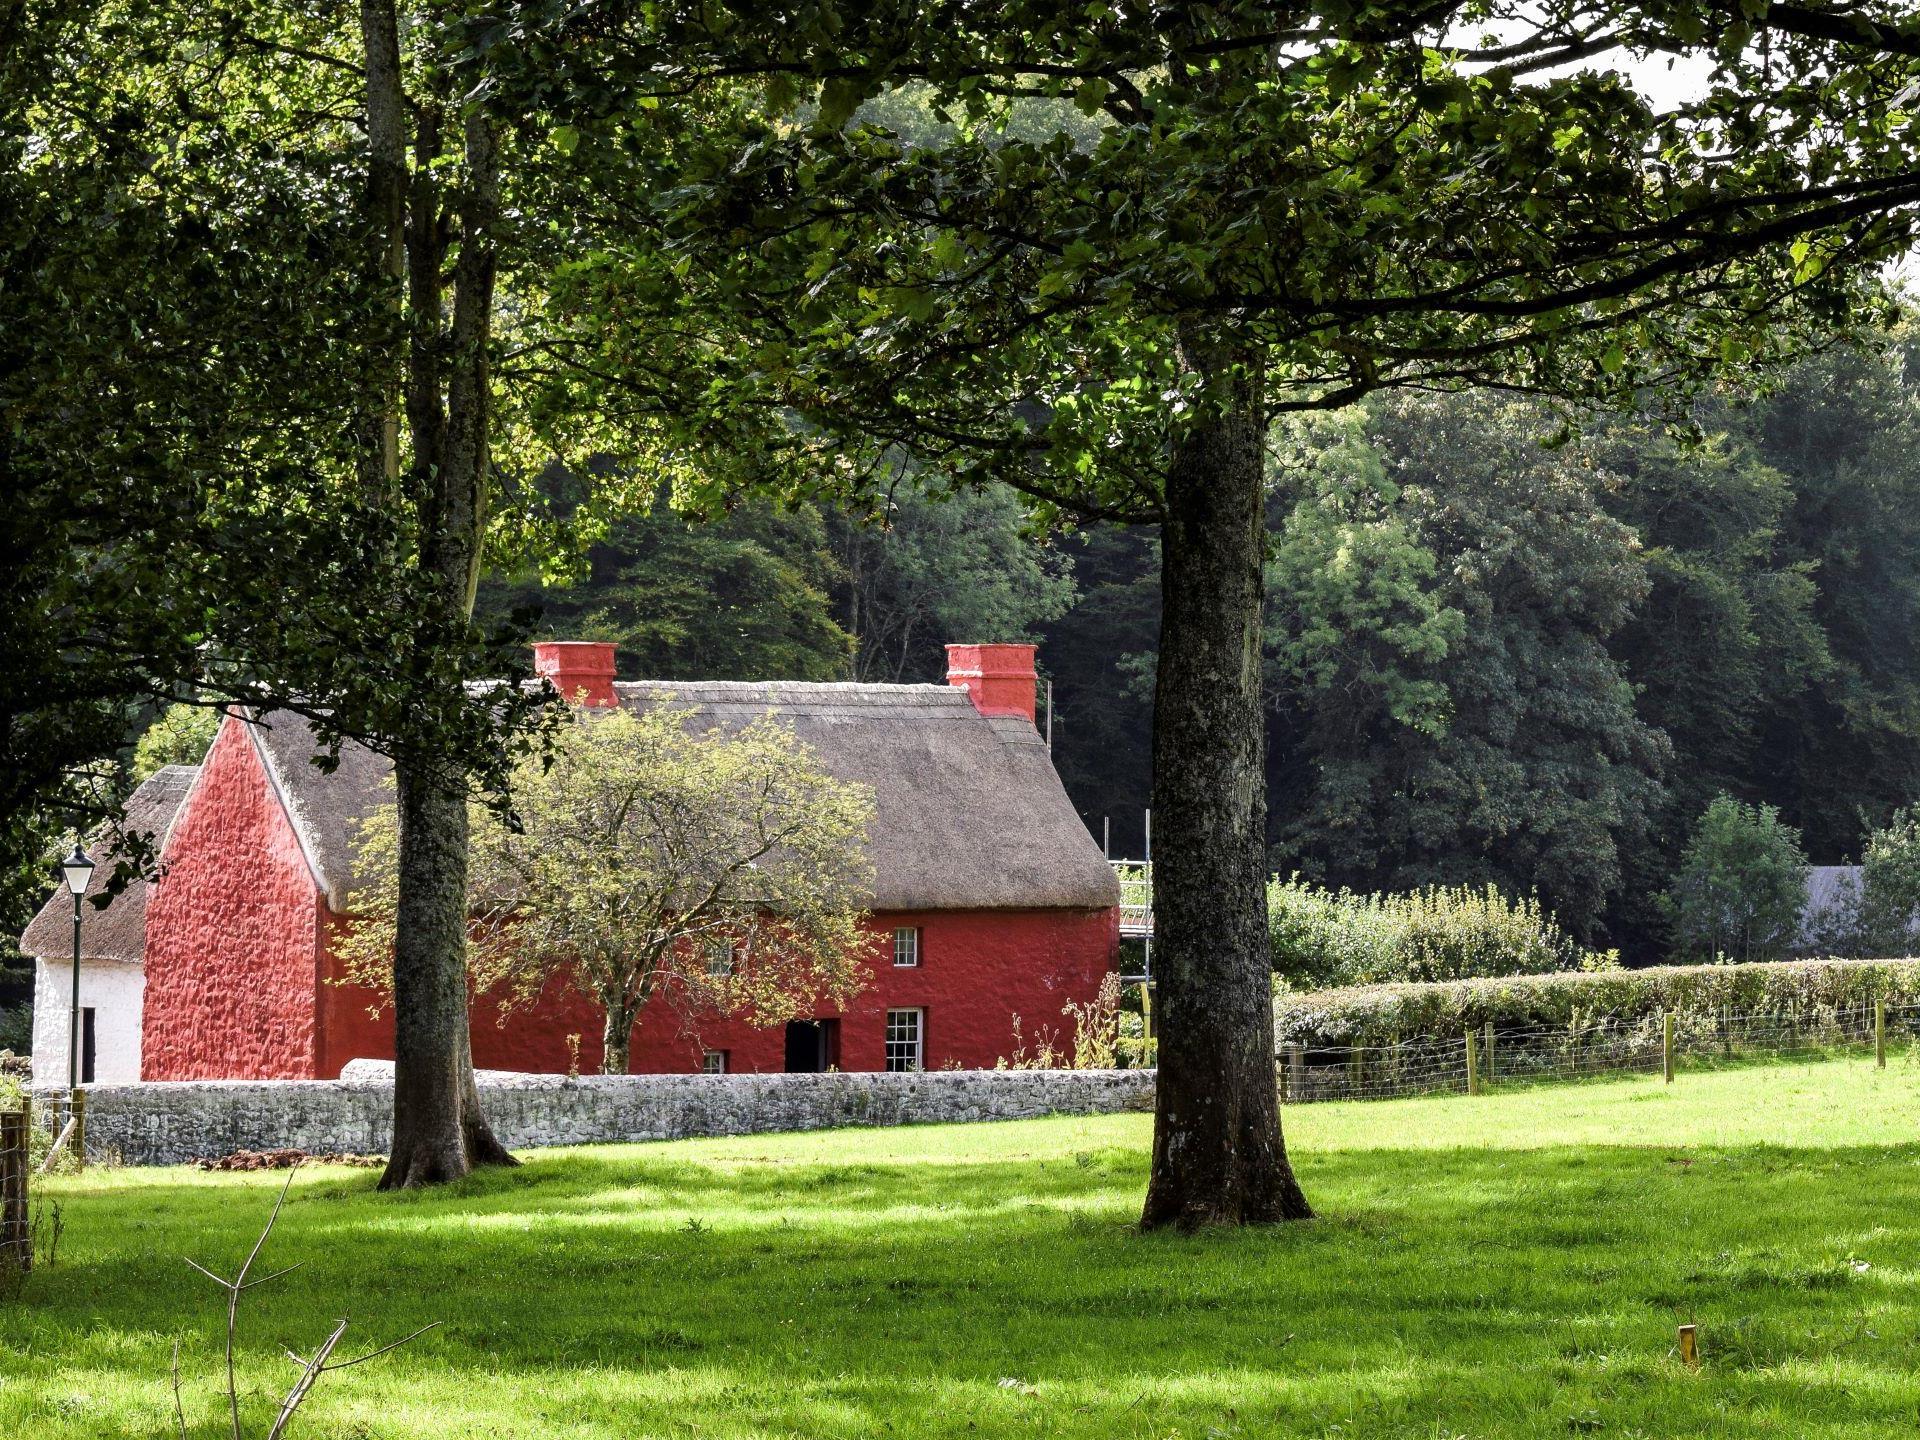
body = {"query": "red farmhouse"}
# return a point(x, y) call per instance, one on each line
point(991, 901)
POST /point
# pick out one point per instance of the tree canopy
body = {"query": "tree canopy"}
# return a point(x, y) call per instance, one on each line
point(1365, 193)
point(181, 334)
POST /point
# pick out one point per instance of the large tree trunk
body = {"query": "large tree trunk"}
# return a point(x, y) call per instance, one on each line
point(439, 1132)
point(1218, 1158)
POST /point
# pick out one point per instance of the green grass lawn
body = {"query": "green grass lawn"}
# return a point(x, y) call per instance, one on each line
point(1513, 1265)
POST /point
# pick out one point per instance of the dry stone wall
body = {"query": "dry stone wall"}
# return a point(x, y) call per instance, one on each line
point(170, 1123)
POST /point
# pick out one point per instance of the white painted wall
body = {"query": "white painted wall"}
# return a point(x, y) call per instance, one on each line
point(115, 990)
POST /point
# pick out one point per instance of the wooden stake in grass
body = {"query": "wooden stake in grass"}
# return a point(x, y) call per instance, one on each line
point(1473, 1066)
point(1880, 1032)
point(1689, 1347)
point(72, 1136)
point(1489, 1052)
point(1666, 1044)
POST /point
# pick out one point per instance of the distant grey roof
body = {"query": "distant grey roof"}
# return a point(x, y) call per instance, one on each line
point(118, 932)
point(1830, 885)
point(1832, 892)
point(969, 812)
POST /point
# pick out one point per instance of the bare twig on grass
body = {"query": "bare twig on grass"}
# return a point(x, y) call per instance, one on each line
point(311, 1367)
point(179, 1410)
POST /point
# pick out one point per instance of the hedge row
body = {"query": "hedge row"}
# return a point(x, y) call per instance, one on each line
point(1337, 937)
point(1784, 991)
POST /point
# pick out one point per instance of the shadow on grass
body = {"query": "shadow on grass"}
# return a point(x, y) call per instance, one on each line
point(633, 1291)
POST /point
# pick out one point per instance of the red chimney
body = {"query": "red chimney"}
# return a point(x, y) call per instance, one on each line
point(998, 678)
point(581, 670)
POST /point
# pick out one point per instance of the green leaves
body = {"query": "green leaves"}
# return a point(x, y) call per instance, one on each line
point(1741, 886)
point(915, 302)
point(839, 98)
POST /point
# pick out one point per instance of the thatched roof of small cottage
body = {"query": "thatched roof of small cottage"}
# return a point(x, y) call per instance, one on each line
point(118, 932)
point(969, 813)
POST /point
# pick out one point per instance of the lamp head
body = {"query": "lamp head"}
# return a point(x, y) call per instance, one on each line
point(76, 870)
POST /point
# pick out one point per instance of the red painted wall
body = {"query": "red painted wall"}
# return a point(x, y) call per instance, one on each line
point(978, 969)
point(530, 1039)
point(233, 934)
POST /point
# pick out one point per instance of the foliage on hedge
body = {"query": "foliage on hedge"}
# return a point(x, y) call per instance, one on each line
point(1336, 937)
point(1799, 991)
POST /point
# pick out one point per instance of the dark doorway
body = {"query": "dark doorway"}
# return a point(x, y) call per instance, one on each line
point(812, 1046)
point(87, 1047)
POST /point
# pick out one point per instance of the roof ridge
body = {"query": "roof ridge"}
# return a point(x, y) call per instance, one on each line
point(888, 687)
point(298, 820)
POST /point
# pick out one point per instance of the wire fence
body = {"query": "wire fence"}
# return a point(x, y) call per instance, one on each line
point(1491, 1054)
point(60, 1124)
point(16, 1160)
point(53, 1124)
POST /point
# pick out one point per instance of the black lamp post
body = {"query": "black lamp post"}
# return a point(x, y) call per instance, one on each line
point(76, 870)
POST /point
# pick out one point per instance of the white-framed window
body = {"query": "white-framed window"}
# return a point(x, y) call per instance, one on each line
point(713, 1062)
point(906, 1039)
point(719, 954)
point(906, 947)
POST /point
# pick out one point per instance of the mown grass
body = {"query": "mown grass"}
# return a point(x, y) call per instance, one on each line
point(1508, 1266)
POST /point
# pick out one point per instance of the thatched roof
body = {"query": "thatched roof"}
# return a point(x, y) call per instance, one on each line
point(324, 808)
point(969, 813)
point(118, 932)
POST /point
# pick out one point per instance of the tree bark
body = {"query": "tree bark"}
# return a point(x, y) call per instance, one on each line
point(616, 1038)
point(439, 1132)
point(1218, 1156)
point(377, 428)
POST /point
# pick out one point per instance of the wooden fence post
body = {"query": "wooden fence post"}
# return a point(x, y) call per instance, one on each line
point(16, 1241)
point(1489, 1052)
point(79, 1129)
point(1473, 1066)
point(1880, 1032)
point(1296, 1070)
point(1666, 1044)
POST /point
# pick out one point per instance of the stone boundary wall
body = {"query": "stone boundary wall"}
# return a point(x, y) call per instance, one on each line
point(172, 1122)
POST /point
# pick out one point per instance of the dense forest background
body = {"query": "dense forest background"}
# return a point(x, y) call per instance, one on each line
point(1499, 647)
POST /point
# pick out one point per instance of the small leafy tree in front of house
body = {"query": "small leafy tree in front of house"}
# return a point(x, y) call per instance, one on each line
point(1889, 891)
point(723, 872)
point(1742, 884)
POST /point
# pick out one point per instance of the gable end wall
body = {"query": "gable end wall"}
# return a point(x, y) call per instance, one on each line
point(234, 933)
